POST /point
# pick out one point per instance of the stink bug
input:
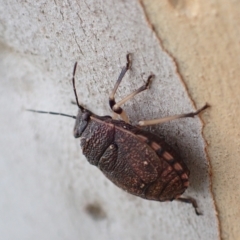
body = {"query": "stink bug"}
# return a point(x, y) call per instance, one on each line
point(137, 161)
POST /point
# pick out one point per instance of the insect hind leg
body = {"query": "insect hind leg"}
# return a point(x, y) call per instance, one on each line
point(167, 119)
point(191, 201)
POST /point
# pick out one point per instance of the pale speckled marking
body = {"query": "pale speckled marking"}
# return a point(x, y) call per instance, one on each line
point(167, 156)
point(155, 146)
point(184, 176)
point(177, 167)
point(142, 138)
point(186, 184)
point(145, 163)
point(166, 171)
point(111, 146)
point(178, 196)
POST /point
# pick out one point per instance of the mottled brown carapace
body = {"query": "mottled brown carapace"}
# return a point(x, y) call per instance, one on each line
point(137, 161)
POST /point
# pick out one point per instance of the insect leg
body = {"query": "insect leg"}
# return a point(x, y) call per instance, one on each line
point(116, 107)
point(166, 119)
point(191, 201)
point(112, 101)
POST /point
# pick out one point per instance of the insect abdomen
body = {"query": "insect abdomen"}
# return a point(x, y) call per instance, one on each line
point(136, 161)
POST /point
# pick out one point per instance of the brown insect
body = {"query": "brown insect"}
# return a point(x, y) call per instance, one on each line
point(137, 161)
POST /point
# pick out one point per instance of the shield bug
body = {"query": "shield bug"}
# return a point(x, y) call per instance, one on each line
point(136, 160)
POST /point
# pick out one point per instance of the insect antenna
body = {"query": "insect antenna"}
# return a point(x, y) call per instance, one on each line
point(53, 113)
point(76, 97)
point(74, 88)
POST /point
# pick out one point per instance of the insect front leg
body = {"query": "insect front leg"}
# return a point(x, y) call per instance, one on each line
point(112, 101)
point(116, 107)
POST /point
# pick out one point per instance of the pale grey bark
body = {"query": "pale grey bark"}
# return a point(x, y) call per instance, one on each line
point(46, 183)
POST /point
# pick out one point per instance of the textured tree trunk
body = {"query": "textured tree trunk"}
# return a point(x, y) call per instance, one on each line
point(203, 37)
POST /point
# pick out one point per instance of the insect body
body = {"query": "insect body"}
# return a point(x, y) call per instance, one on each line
point(137, 161)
